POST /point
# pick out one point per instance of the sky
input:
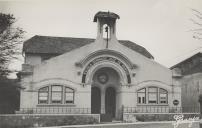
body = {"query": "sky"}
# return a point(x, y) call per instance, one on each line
point(161, 26)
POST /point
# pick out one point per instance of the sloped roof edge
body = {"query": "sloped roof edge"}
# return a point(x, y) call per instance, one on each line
point(198, 53)
point(59, 45)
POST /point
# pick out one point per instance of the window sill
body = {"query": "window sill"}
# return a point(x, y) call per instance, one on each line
point(152, 104)
point(56, 105)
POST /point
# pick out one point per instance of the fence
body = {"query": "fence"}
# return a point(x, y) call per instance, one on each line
point(54, 110)
point(139, 109)
point(160, 109)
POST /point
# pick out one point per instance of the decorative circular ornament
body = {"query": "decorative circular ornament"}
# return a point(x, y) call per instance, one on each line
point(175, 102)
point(102, 78)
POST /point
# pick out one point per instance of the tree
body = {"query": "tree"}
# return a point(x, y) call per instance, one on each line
point(9, 96)
point(197, 20)
point(10, 38)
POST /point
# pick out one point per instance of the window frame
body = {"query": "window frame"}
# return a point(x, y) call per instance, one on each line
point(50, 94)
point(158, 98)
point(65, 92)
point(59, 92)
point(39, 91)
point(155, 93)
point(141, 101)
point(166, 92)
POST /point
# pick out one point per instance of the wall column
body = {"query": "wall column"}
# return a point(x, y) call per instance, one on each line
point(102, 101)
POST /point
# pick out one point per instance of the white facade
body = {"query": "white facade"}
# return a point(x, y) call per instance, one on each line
point(111, 66)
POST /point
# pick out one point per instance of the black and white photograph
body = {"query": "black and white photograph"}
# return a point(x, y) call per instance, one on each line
point(100, 63)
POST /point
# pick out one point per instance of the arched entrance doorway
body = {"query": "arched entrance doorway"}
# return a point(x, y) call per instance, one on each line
point(104, 97)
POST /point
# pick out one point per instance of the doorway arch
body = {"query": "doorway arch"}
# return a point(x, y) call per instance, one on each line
point(106, 61)
point(106, 84)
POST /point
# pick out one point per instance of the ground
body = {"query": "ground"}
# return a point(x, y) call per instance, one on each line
point(136, 125)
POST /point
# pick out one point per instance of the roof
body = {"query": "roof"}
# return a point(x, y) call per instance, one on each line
point(59, 45)
point(136, 48)
point(101, 14)
point(187, 59)
point(53, 45)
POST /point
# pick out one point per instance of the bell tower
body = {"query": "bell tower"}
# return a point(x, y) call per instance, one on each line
point(106, 25)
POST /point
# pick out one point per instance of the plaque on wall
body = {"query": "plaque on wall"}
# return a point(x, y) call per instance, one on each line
point(102, 78)
point(175, 102)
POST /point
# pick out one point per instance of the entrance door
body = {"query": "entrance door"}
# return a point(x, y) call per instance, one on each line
point(110, 101)
point(95, 100)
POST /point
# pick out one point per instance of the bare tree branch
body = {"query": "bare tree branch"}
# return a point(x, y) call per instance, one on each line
point(198, 29)
point(198, 12)
point(197, 33)
point(198, 16)
point(197, 37)
point(195, 22)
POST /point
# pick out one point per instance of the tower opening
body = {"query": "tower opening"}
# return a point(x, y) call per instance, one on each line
point(106, 31)
point(104, 19)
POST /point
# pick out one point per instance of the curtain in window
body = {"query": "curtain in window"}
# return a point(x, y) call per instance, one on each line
point(152, 95)
point(59, 94)
point(163, 96)
point(43, 95)
point(69, 95)
point(56, 94)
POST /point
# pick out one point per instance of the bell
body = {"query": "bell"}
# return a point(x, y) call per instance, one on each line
point(106, 29)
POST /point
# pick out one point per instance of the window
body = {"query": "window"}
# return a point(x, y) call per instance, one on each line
point(163, 96)
point(69, 95)
point(57, 94)
point(43, 95)
point(152, 95)
point(141, 94)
